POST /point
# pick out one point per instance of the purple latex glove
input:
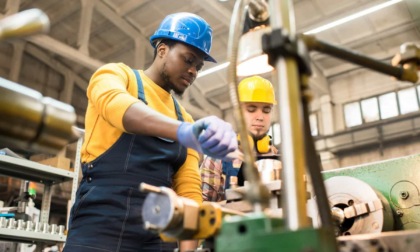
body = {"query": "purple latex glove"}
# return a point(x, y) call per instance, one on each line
point(209, 135)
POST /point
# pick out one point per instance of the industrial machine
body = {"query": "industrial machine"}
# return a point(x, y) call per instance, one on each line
point(375, 207)
point(366, 208)
point(30, 121)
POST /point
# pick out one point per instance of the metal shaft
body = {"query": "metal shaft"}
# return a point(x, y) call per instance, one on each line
point(291, 118)
point(24, 23)
point(398, 72)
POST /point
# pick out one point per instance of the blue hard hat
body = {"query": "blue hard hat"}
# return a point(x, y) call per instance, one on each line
point(188, 28)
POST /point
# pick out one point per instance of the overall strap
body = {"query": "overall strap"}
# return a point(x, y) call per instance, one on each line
point(140, 86)
point(178, 110)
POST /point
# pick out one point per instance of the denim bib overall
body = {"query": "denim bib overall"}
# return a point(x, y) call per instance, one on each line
point(106, 215)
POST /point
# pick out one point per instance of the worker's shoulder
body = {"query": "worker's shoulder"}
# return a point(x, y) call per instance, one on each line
point(116, 67)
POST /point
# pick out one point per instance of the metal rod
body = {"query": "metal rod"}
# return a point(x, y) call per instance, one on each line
point(24, 23)
point(232, 211)
point(291, 118)
point(314, 169)
point(257, 194)
point(149, 188)
point(314, 44)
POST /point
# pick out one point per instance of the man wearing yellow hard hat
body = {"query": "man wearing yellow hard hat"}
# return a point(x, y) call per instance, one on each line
point(256, 95)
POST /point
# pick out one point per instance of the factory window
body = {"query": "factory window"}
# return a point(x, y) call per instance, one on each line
point(388, 105)
point(370, 109)
point(352, 114)
point(382, 106)
point(313, 121)
point(275, 133)
point(407, 99)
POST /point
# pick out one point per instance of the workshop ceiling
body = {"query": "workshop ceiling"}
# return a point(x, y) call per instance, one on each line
point(85, 34)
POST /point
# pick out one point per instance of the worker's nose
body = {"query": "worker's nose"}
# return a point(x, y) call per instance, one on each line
point(193, 70)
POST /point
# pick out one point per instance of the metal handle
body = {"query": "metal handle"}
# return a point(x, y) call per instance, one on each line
point(24, 23)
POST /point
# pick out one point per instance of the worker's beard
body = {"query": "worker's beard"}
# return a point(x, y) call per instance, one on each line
point(260, 135)
point(167, 84)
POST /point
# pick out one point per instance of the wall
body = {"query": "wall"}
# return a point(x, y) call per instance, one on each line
point(352, 86)
point(357, 85)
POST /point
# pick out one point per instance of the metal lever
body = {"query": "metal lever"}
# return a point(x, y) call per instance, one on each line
point(24, 23)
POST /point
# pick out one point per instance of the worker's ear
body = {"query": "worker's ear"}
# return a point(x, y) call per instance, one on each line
point(162, 49)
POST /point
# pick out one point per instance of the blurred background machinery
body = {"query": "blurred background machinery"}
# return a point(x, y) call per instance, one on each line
point(35, 124)
point(29, 120)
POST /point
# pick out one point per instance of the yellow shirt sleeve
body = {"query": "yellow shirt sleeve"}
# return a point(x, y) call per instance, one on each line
point(112, 90)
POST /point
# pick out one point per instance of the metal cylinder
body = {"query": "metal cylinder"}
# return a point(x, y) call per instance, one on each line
point(11, 223)
point(37, 227)
point(33, 122)
point(53, 229)
point(45, 228)
point(292, 133)
point(3, 222)
point(20, 225)
point(29, 226)
point(61, 229)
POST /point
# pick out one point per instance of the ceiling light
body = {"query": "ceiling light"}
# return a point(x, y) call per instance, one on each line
point(352, 17)
point(213, 69)
point(316, 30)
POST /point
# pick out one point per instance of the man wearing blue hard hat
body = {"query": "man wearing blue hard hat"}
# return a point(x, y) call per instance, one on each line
point(136, 131)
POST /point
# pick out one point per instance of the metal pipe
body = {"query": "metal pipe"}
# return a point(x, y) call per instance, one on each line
point(314, 169)
point(24, 23)
point(33, 122)
point(257, 194)
point(400, 73)
point(291, 118)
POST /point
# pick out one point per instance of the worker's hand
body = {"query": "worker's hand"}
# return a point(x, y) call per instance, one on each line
point(209, 135)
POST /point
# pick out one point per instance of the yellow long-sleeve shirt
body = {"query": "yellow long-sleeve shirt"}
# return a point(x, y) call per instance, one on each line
point(111, 91)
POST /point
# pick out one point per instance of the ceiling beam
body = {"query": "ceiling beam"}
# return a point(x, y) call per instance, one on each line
point(16, 62)
point(129, 6)
point(12, 6)
point(220, 12)
point(84, 26)
point(118, 21)
point(139, 39)
point(67, 91)
point(139, 53)
point(65, 51)
point(55, 64)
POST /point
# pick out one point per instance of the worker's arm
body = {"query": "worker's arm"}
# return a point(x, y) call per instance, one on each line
point(141, 119)
point(110, 92)
point(209, 135)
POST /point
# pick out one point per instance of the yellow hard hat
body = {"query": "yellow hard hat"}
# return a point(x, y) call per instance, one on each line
point(256, 89)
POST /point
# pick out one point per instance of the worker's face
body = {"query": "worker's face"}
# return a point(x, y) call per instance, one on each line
point(257, 117)
point(181, 64)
